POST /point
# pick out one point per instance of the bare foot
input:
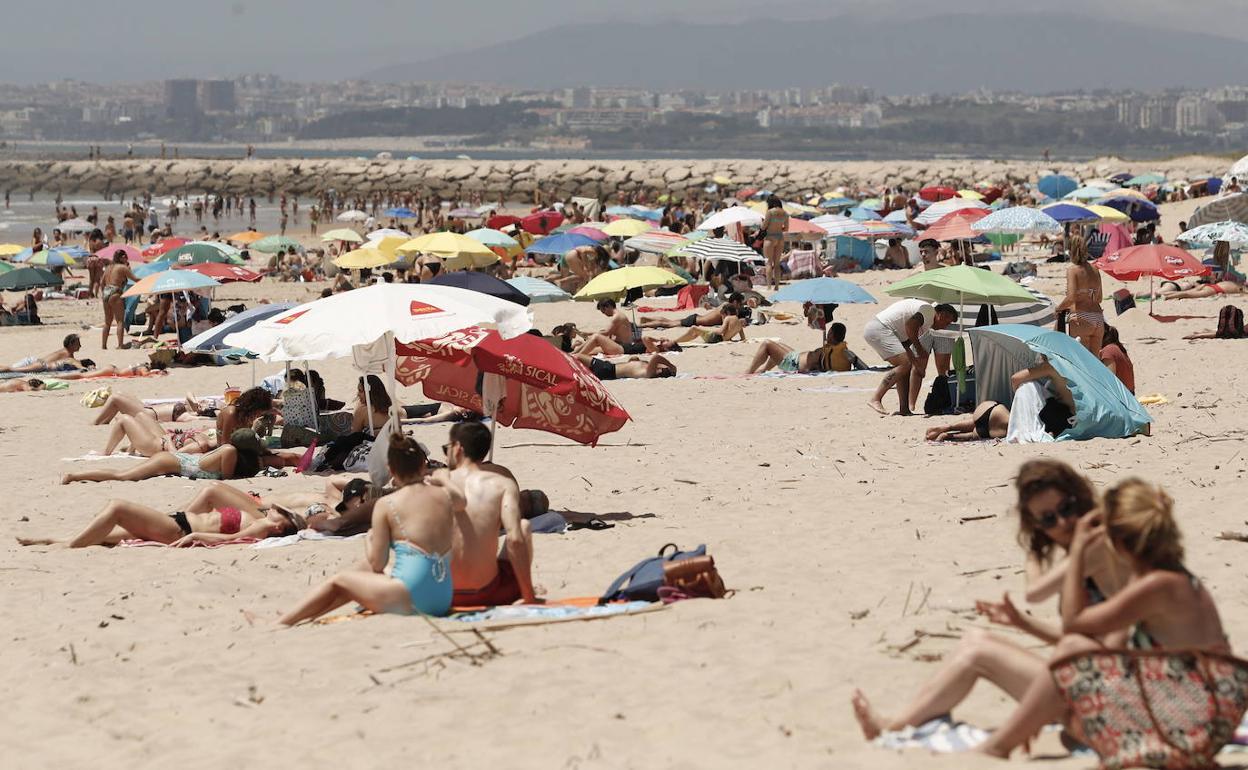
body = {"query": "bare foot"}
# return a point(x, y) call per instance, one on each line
point(877, 406)
point(872, 724)
point(903, 413)
point(67, 478)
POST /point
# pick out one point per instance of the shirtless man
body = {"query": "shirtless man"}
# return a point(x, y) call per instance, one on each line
point(733, 327)
point(113, 283)
point(56, 360)
point(635, 368)
point(598, 343)
point(929, 253)
point(712, 317)
point(619, 330)
point(481, 575)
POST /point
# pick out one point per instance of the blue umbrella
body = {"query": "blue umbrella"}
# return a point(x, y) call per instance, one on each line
point(1138, 210)
point(1104, 408)
point(68, 251)
point(836, 203)
point(823, 291)
point(481, 283)
point(402, 212)
point(560, 243)
point(144, 271)
point(641, 212)
point(214, 339)
point(619, 211)
point(861, 214)
point(1069, 212)
point(170, 281)
point(538, 290)
point(1057, 185)
point(897, 217)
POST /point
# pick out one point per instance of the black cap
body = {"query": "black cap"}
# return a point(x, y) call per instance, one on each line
point(354, 488)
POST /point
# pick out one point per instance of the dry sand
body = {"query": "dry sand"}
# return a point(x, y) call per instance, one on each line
point(817, 510)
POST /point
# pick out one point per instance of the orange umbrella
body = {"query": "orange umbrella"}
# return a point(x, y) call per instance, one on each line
point(956, 226)
point(245, 237)
point(804, 228)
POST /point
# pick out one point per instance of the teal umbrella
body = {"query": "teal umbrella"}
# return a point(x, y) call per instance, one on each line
point(1143, 180)
point(271, 244)
point(538, 290)
point(24, 278)
point(196, 253)
point(6, 267)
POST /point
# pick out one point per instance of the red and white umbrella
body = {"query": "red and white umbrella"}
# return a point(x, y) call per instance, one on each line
point(542, 387)
point(1152, 259)
point(224, 273)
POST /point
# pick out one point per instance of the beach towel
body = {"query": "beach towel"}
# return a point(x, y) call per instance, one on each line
point(93, 456)
point(941, 735)
point(1025, 426)
point(552, 613)
point(688, 298)
point(804, 264)
point(301, 535)
point(196, 544)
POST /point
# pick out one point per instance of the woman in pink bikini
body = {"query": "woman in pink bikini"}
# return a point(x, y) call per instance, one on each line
point(1086, 321)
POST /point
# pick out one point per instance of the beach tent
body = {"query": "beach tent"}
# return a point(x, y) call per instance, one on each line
point(1104, 408)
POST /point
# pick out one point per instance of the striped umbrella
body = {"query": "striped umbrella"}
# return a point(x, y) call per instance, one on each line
point(656, 242)
point(1232, 208)
point(1204, 236)
point(538, 290)
point(497, 240)
point(51, 258)
point(169, 282)
point(1038, 313)
point(880, 229)
point(717, 249)
point(1018, 220)
point(936, 211)
point(214, 339)
point(835, 224)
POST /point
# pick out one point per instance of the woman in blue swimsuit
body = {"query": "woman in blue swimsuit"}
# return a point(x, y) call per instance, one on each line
point(417, 525)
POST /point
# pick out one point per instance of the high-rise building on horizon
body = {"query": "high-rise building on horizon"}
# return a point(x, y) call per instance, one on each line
point(181, 98)
point(217, 96)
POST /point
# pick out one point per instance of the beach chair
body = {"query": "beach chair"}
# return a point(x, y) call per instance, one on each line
point(1161, 709)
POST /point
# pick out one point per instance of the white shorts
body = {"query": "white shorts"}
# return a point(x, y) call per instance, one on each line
point(882, 340)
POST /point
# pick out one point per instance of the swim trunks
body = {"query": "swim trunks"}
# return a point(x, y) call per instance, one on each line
point(603, 370)
point(503, 589)
point(789, 362)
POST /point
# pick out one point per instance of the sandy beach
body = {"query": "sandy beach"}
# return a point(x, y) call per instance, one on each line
point(856, 551)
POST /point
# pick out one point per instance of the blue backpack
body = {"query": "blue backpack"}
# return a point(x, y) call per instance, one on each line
point(642, 582)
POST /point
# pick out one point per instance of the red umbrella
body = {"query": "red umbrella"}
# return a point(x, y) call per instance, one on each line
point(224, 273)
point(542, 222)
point(108, 252)
point(1152, 259)
point(546, 389)
point(990, 193)
point(746, 193)
point(160, 247)
point(956, 225)
point(937, 193)
point(499, 221)
point(590, 232)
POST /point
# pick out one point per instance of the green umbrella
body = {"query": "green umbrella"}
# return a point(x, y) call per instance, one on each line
point(24, 278)
point(960, 284)
point(196, 254)
point(271, 244)
point(6, 267)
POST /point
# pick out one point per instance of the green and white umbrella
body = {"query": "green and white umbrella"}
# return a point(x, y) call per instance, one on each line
point(1205, 236)
point(272, 244)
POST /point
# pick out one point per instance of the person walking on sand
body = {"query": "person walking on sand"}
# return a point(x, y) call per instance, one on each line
point(900, 335)
point(112, 285)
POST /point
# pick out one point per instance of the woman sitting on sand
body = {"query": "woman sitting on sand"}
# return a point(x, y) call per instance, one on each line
point(416, 523)
point(242, 458)
point(378, 399)
point(1114, 356)
point(1052, 498)
point(1162, 606)
point(203, 520)
point(834, 356)
point(251, 405)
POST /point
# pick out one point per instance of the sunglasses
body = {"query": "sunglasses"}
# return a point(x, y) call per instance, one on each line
point(1065, 510)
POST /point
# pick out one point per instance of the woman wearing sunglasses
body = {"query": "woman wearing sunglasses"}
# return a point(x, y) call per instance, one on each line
point(1052, 497)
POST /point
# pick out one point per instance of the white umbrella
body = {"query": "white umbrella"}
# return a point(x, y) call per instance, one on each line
point(720, 249)
point(353, 215)
point(75, 226)
point(333, 327)
point(937, 210)
point(731, 216)
point(386, 232)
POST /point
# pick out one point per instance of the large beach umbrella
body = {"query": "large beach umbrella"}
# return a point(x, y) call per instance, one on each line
point(716, 249)
point(627, 228)
point(352, 215)
point(823, 291)
point(1086, 193)
point(1057, 186)
point(933, 213)
point(836, 202)
point(342, 234)
point(271, 244)
point(10, 249)
point(959, 284)
point(542, 222)
point(1239, 170)
point(26, 278)
point(936, 193)
point(804, 229)
point(382, 233)
point(837, 224)
point(170, 282)
point(1037, 313)
point(197, 253)
point(132, 253)
point(51, 258)
point(560, 243)
point(400, 212)
point(496, 240)
point(731, 216)
point(1108, 213)
point(214, 339)
point(1018, 220)
point(6, 267)
point(480, 282)
point(245, 237)
point(656, 242)
point(1069, 212)
point(538, 290)
point(615, 283)
point(542, 387)
point(1138, 210)
point(363, 259)
point(333, 327)
point(956, 226)
point(224, 273)
point(75, 226)
point(1232, 208)
point(1143, 180)
point(589, 232)
point(163, 246)
point(1104, 408)
point(1205, 236)
point(1153, 260)
point(457, 251)
point(499, 221)
point(151, 268)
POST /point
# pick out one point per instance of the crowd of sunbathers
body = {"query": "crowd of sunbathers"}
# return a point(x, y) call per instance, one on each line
point(1115, 562)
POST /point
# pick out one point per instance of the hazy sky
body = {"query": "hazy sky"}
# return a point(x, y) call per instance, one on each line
point(338, 39)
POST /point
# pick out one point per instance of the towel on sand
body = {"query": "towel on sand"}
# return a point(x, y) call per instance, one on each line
point(152, 543)
point(303, 534)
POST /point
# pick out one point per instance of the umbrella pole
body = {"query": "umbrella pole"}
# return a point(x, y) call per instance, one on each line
point(1150, 294)
point(493, 430)
point(368, 404)
point(396, 426)
point(961, 326)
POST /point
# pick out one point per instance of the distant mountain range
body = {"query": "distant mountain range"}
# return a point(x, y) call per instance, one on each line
point(1034, 52)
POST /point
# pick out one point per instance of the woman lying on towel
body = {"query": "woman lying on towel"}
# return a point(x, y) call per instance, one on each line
point(1162, 606)
point(1052, 498)
point(21, 386)
point(416, 524)
point(242, 458)
point(205, 519)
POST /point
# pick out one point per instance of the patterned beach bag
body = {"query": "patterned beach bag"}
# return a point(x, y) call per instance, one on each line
point(1161, 709)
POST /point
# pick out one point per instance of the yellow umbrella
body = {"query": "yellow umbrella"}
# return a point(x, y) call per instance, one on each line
point(627, 228)
point(342, 234)
point(245, 237)
point(792, 208)
point(759, 206)
point(359, 259)
point(9, 249)
point(720, 179)
point(457, 251)
point(971, 195)
point(1108, 213)
point(390, 246)
point(613, 283)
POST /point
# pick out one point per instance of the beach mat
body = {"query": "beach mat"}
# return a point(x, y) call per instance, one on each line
point(300, 536)
point(559, 611)
point(196, 544)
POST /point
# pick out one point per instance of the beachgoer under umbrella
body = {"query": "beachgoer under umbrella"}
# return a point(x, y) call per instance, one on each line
point(900, 334)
